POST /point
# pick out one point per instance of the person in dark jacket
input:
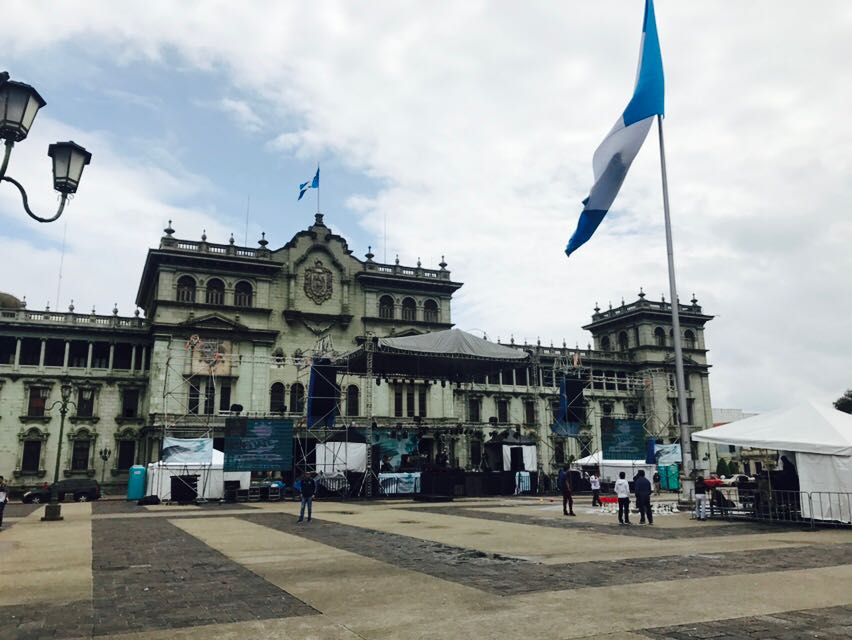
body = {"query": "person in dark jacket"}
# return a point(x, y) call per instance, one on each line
point(564, 484)
point(700, 498)
point(308, 489)
point(642, 488)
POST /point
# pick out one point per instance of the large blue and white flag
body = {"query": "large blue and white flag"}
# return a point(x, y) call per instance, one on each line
point(311, 184)
point(616, 153)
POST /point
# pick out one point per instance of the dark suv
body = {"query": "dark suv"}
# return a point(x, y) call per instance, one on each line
point(83, 490)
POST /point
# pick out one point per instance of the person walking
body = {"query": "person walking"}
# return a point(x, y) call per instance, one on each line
point(622, 491)
point(657, 485)
point(308, 489)
point(700, 498)
point(595, 483)
point(4, 498)
point(564, 482)
point(642, 489)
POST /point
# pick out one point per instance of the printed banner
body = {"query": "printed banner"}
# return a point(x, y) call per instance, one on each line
point(187, 450)
point(622, 439)
point(392, 448)
point(258, 445)
point(667, 454)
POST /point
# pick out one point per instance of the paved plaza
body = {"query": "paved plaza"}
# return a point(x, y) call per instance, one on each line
point(488, 568)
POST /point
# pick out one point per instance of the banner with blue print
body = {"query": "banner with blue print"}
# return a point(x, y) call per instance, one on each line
point(622, 439)
point(258, 444)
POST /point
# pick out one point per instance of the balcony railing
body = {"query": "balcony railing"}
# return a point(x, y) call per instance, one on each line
point(68, 318)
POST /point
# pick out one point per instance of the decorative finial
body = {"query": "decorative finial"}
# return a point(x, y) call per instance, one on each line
point(369, 255)
point(231, 241)
point(610, 305)
point(551, 344)
point(318, 220)
point(71, 306)
point(588, 346)
point(564, 344)
point(93, 310)
point(597, 308)
point(204, 235)
point(115, 308)
point(663, 297)
point(168, 230)
point(641, 293)
point(136, 313)
point(397, 259)
point(498, 340)
point(694, 300)
point(47, 306)
point(418, 262)
point(538, 341)
point(622, 301)
point(512, 339)
point(263, 241)
point(443, 264)
point(24, 302)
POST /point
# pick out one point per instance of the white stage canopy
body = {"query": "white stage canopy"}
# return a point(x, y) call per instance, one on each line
point(211, 477)
point(611, 468)
point(819, 436)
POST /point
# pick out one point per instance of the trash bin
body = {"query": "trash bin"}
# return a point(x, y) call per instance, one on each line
point(136, 483)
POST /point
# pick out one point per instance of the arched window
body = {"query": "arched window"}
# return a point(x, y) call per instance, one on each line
point(660, 337)
point(409, 309)
point(276, 398)
point(31, 449)
point(215, 291)
point(186, 289)
point(243, 294)
point(352, 408)
point(623, 341)
point(430, 311)
point(297, 398)
point(386, 307)
point(688, 339)
point(605, 343)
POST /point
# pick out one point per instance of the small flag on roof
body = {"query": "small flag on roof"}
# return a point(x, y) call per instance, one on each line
point(311, 184)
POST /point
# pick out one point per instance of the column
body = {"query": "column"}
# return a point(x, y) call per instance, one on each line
point(41, 354)
point(144, 358)
point(67, 355)
point(133, 359)
point(17, 354)
point(111, 354)
point(89, 358)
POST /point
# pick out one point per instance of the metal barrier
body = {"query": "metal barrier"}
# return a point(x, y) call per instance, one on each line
point(824, 508)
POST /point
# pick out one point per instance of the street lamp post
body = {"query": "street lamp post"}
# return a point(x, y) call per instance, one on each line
point(53, 510)
point(19, 104)
point(104, 453)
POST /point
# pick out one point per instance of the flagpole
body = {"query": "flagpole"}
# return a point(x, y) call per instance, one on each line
point(685, 441)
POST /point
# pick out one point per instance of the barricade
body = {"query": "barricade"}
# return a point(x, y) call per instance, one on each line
point(812, 508)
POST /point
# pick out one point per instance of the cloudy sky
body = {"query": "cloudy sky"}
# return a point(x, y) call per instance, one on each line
point(465, 130)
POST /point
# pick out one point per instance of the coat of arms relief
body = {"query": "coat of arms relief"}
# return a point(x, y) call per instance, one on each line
point(318, 285)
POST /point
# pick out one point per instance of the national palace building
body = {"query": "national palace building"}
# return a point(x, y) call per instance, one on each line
point(260, 313)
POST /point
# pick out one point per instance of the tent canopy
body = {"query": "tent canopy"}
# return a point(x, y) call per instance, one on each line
point(807, 428)
point(452, 354)
point(597, 459)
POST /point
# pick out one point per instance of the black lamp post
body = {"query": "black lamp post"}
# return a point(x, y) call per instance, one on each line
point(104, 453)
point(53, 510)
point(19, 104)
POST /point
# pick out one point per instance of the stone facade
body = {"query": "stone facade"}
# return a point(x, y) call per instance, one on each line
point(255, 314)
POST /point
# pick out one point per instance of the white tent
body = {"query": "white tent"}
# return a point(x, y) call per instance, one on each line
point(211, 477)
point(820, 437)
point(611, 468)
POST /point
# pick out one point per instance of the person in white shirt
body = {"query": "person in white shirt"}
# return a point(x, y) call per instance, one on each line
point(596, 489)
point(622, 490)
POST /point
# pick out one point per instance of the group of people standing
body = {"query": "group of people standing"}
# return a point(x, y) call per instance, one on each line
point(642, 489)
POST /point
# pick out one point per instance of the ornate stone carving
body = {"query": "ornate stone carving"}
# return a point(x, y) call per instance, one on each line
point(318, 283)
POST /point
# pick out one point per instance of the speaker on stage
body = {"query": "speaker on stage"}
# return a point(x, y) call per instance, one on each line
point(517, 459)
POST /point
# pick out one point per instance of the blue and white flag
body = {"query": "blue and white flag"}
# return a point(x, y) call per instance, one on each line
point(312, 184)
point(616, 153)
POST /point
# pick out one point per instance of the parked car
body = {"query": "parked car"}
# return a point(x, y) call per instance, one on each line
point(83, 490)
point(736, 479)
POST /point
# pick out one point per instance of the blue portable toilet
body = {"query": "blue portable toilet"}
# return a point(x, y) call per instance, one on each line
point(136, 482)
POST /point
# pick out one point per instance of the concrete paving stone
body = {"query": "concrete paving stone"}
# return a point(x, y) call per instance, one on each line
point(511, 576)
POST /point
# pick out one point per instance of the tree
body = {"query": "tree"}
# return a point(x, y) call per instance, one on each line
point(844, 402)
point(733, 467)
point(722, 468)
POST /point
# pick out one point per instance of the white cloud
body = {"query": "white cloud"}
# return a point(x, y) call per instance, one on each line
point(480, 120)
point(242, 113)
